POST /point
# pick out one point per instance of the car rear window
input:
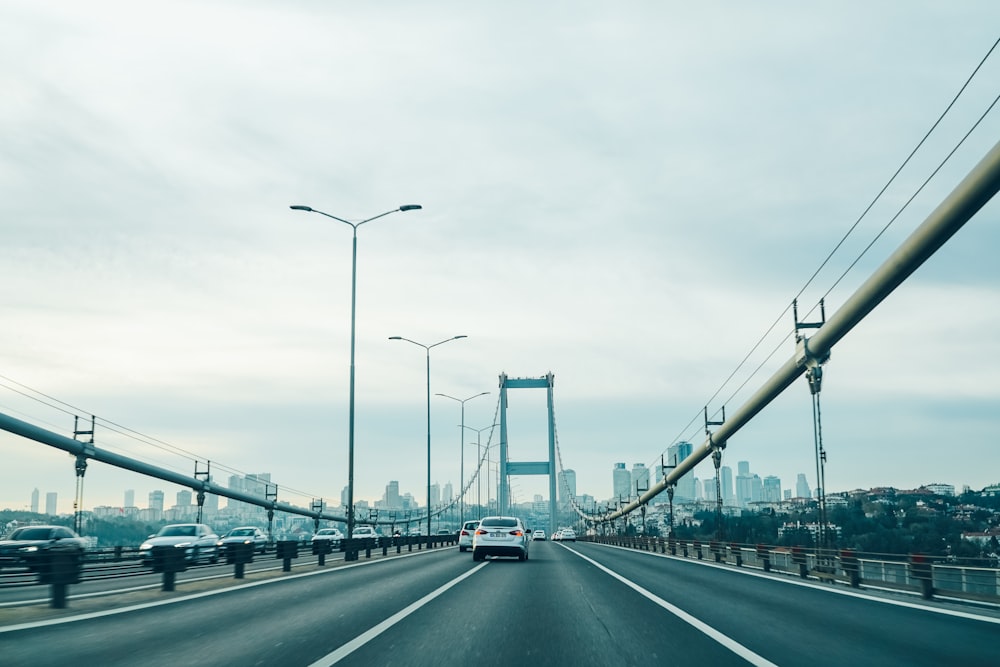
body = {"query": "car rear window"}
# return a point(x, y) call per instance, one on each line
point(500, 523)
point(31, 534)
point(471, 525)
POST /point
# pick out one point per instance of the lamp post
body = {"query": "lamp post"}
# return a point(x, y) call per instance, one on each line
point(461, 476)
point(354, 292)
point(427, 349)
point(479, 476)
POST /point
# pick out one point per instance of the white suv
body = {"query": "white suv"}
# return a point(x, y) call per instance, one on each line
point(500, 536)
point(466, 534)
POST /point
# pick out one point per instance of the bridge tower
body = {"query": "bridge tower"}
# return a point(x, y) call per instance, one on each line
point(508, 468)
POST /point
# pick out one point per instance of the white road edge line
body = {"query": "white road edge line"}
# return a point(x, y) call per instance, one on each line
point(370, 634)
point(195, 596)
point(712, 633)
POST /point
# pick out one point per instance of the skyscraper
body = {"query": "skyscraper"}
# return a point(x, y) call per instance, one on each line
point(772, 489)
point(802, 489)
point(129, 498)
point(685, 489)
point(566, 486)
point(156, 500)
point(51, 503)
point(726, 478)
point(34, 501)
point(392, 500)
point(621, 480)
point(639, 479)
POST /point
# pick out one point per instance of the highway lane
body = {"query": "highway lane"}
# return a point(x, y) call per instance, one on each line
point(439, 607)
point(793, 624)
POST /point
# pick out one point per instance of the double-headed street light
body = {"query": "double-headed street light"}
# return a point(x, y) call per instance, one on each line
point(479, 475)
point(461, 480)
point(427, 348)
point(354, 292)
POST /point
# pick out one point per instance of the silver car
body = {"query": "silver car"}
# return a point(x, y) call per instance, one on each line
point(198, 541)
point(500, 536)
point(245, 535)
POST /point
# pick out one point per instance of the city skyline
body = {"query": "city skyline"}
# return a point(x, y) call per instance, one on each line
point(630, 200)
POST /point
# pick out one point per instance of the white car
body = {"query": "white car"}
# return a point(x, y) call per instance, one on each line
point(466, 534)
point(500, 536)
point(567, 535)
point(361, 532)
point(332, 535)
point(245, 535)
point(198, 541)
point(538, 534)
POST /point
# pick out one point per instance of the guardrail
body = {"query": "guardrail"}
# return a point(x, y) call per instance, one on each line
point(59, 571)
point(912, 573)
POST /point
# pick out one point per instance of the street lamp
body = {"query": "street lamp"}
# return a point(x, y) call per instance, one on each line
point(479, 476)
point(427, 349)
point(354, 292)
point(461, 476)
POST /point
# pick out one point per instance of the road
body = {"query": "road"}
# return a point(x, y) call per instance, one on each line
point(577, 603)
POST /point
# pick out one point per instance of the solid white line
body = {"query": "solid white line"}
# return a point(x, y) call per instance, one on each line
point(712, 633)
point(778, 578)
point(196, 596)
point(370, 634)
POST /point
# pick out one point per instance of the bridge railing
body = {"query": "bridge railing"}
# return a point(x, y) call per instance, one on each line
point(925, 575)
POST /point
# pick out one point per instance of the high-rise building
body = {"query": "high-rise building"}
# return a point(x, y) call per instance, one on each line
point(392, 500)
point(183, 498)
point(566, 486)
point(129, 498)
point(772, 489)
point(449, 492)
point(156, 500)
point(685, 490)
point(743, 468)
point(621, 480)
point(726, 478)
point(639, 479)
point(802, 489)
point(756, 488)
point(435, 494)
point(51, 503)
point(34, 501)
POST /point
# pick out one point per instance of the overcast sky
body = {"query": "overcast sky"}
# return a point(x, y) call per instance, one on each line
point(627, 195)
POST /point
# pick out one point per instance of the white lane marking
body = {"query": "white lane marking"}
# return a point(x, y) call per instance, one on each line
point(820, 587)
point(195, 596)
point(712, 633)
point(370, 634)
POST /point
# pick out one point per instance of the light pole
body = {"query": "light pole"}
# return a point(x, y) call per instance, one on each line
point(479, 476)
point(461, 476)
point(354, 292)
point(427, 349)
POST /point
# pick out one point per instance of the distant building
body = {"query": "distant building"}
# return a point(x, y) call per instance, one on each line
point(156, 504)
point(621, 481)
point(726, 478)
point(639, 479)
point(129, 498)
point(802, 489)
point(685, 490)
point(34, 501)
point(51, 503)
point(183, 498)
point(772, 489)
point(566, 486)
point(941, 489)
point(392, 500)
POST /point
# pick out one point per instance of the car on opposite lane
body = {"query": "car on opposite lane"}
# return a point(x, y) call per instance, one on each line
point(500, 536)
point(24, 546)
point(245, 535)
point(198, 541)
point(332, 535)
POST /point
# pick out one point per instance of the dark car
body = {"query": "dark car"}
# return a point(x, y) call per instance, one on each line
point(22, 547)
point(245, 535)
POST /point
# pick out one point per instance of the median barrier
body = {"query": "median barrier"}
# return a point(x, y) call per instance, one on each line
point(321, 548)
point(239, 555)
point(59, 569)
point(285, 551)
point(920, 569)
point(169, 560)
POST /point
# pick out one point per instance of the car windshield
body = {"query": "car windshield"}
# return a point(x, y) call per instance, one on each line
point(30, 534)
point(240, 532)
point(499, 523)
point(327, 531)
point(176, 531)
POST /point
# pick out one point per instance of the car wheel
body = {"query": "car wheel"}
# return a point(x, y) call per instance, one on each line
point(215, 557)
point(461, 549)
point(476, 556)
point(522, 556)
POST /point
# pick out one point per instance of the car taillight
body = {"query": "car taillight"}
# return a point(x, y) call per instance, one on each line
point(481, 532)
point(465, 532)
point(516, 533)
